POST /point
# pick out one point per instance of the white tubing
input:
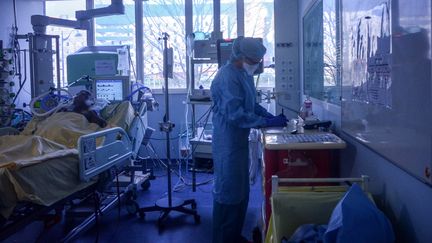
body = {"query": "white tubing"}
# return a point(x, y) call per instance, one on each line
point(59, 106)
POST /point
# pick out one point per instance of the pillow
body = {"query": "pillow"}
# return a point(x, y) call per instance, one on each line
point(357, 219)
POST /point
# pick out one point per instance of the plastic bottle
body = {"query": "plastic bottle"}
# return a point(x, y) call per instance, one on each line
point(300, 124)
point(306, 109)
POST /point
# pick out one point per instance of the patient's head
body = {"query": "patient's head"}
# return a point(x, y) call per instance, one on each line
point(82, 101)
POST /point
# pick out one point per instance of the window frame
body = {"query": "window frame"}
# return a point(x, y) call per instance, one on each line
point(240, 16)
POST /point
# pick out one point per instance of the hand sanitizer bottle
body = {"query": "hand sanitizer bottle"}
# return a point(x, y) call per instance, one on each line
point(306, 109)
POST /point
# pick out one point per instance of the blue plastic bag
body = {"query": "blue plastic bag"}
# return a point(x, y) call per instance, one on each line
point(356, 219)
point(308, 233)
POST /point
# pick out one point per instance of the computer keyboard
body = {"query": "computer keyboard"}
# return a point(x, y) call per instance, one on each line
point(310, 138)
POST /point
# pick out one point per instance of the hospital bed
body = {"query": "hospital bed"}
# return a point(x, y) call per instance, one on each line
point(45, 187)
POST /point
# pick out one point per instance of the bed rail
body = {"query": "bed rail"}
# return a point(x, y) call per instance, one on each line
point(94, 159)
point(363, 181)
point(8, 131)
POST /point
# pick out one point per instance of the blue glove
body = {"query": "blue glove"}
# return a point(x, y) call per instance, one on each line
point(269, 115)
point(277, 121)
point(282, 115)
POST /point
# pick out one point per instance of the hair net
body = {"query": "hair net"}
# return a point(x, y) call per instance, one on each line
point(248, 47)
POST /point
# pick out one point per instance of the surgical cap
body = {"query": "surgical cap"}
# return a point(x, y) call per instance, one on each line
point(251, 48)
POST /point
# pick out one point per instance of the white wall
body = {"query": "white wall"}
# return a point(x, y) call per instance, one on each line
point(25, 9)
point(404, 199)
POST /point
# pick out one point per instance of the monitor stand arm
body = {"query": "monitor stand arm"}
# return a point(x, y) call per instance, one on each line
point(40, 22)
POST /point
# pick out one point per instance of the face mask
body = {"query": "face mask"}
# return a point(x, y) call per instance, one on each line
point(89, 103)
point(250, 69)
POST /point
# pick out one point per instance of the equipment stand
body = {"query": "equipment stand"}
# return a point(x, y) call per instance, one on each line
point(168, 204)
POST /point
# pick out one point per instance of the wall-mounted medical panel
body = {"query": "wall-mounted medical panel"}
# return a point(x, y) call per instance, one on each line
point(287, 56)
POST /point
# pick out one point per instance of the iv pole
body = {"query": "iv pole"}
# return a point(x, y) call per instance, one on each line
point(168, 204)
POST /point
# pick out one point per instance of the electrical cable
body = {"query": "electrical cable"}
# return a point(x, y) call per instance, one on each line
point(208, 112)
point(133, 67)
point(193, 150)
point(187, 129)
point(129, 97)
point(155, 165)
point(149, 145)
point(21, 86)
point(181, 178)
point(182, 182)
point(257, 81)
point(211, 76)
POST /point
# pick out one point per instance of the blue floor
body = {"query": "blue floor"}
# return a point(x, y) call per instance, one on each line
point(178, 227)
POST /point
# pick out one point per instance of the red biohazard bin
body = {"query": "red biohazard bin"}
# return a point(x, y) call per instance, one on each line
point(311, 163)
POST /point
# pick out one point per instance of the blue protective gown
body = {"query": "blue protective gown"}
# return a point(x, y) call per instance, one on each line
point(235, 111)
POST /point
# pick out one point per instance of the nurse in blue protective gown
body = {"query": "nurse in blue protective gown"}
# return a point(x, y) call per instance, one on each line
point(235, 112)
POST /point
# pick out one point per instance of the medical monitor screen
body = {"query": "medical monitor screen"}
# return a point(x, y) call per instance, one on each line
point(224, 49)
point(109, 89)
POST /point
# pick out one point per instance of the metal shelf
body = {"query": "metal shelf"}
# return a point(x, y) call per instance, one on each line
point(203, 61)
point(194, 102)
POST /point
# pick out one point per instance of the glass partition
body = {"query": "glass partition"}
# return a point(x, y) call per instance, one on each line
point(320, 52)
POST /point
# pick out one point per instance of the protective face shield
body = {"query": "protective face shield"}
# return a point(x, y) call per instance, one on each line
point(250, 69)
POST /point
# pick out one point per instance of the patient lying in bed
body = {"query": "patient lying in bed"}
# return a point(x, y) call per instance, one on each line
point(82, 103)
point(41, 164)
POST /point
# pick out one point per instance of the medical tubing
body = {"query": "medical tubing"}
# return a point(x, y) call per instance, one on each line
point(45, 98)
point(187, 132)
point(129, 97)
point(179, 175)
point(163, 163)
point(199, 137)
point(208, 112)
point(131, 63)
point(177, 137)
point(21, 84)
point(153, 160)
point(61, 105)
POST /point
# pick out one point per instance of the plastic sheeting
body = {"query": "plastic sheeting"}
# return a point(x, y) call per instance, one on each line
point(356, 219)
point(41, 164)
point(19, 151)
point(255, 148)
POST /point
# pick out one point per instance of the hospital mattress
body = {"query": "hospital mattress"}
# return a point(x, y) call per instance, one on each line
point(41, 165)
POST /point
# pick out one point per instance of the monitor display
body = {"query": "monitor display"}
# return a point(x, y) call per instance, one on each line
point(109, 89)
point(224, 49)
